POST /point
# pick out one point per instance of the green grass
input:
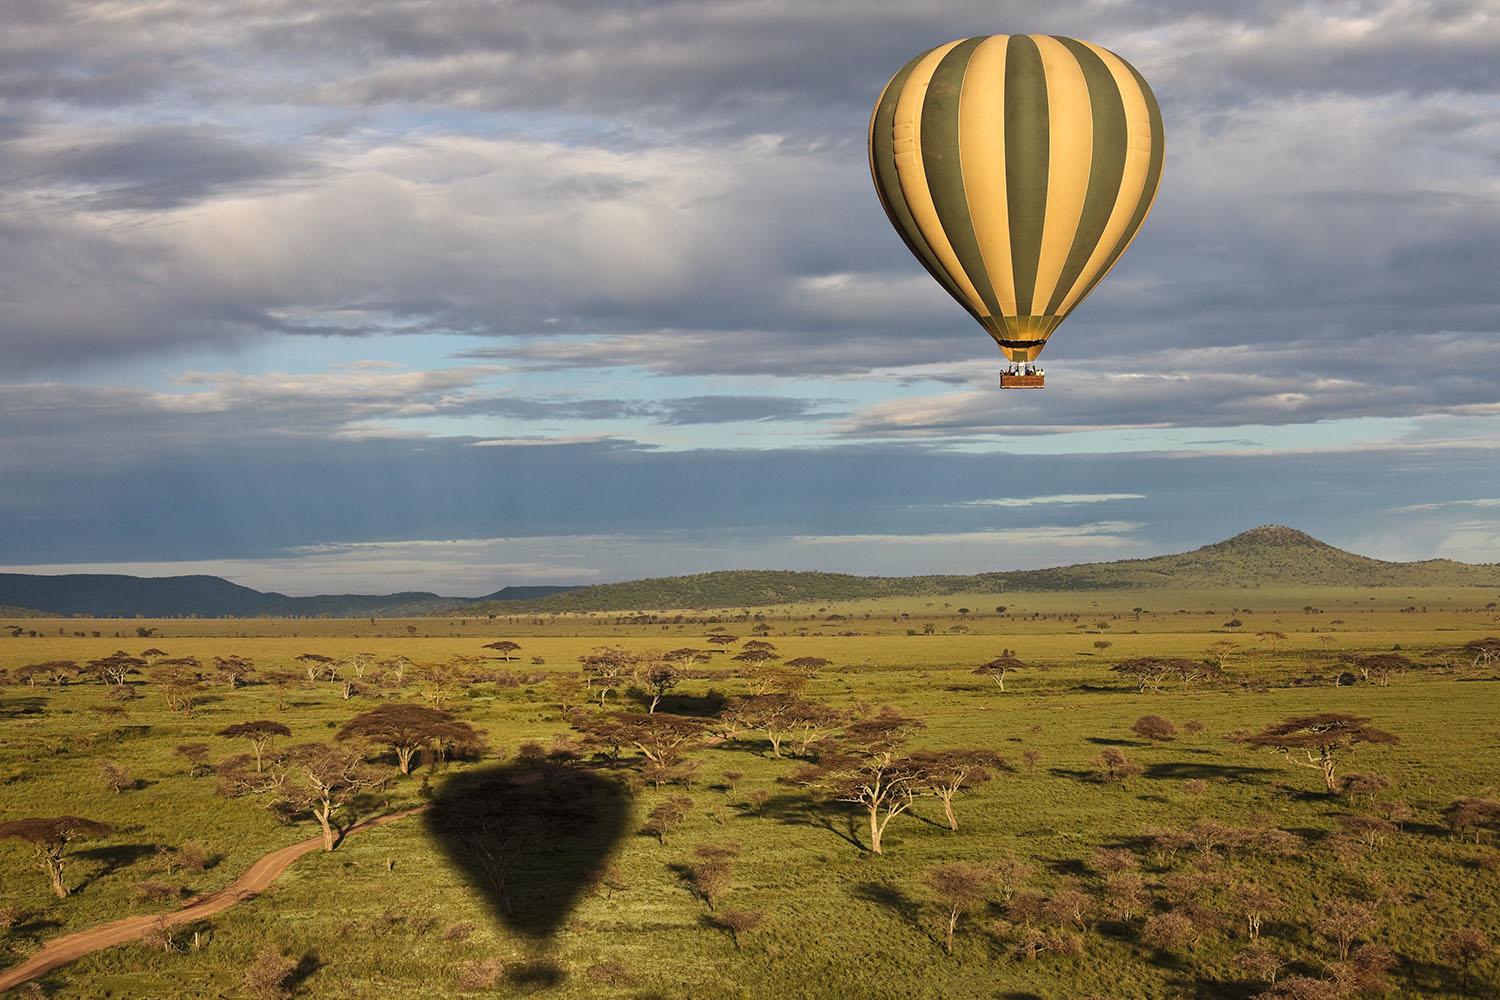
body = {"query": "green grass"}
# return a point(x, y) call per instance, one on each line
point(841, 921)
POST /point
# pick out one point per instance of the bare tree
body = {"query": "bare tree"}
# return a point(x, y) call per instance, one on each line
point(1474, 815)
point(1344, 922)
point(49, 837)
point(1465, 948)
point(960, 887)
point(267, 976)
point(666, 817)
point(406, 729)
point(1320, 739)
point(325, 780)
point(739, 923)
point(260, 732)
point(946, 773)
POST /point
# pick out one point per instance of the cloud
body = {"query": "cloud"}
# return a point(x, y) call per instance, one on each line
point(1066, 498)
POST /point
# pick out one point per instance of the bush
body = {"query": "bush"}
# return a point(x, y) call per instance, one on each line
point(1154, 728)
point(266, 977)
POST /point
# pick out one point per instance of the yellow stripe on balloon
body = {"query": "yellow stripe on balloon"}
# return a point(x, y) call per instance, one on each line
point(981, 149)
point(908, 155)
point(1138, 140)
point(1070, 130)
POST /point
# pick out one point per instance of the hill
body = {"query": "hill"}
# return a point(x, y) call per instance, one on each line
point(110, 595)
point(1272, 555)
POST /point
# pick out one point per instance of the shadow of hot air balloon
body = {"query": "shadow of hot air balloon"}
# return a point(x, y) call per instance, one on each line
point(531, 837)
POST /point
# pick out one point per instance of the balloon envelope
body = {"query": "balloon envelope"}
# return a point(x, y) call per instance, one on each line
point(1017, 168)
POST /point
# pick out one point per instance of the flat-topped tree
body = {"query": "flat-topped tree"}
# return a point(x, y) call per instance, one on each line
point(1151, 672)
point(50, 836)
point(1001, 665)
point(259, 732)
point(116, 668)
point(722, 639)
point(408, 728)
point(1379, 668)
point(315, 665)
point(760, 644)
point(504, 647)
point(946, 773)
point(606, 668)
point(233, 670)
point(807, 664)
point(660, 678)
point(867, 766)
point(661, 738)
point(1320, 739)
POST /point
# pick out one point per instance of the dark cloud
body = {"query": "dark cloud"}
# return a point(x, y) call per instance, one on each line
point(260, 495)
point(143, 168)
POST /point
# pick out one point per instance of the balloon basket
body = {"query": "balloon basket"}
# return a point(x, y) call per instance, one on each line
point(1023, 381)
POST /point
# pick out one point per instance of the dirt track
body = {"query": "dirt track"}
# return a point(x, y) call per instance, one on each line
point(260, 875)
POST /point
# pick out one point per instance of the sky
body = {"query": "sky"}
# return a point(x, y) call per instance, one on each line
point(377, 295)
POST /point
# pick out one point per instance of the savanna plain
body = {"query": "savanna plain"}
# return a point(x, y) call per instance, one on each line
point(1164, 793)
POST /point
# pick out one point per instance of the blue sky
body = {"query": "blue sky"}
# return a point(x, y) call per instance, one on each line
point(368, 296)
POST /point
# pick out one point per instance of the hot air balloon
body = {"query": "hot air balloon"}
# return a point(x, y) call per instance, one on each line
point(1017, 169)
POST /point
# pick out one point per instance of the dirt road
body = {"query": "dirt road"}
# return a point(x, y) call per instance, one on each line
point(260, 875)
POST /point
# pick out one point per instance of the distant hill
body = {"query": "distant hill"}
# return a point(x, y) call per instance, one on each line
point(1272, 555)
point(111, 596)
point(1267, 556)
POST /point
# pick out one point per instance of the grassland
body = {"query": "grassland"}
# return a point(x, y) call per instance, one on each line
point(388, 915)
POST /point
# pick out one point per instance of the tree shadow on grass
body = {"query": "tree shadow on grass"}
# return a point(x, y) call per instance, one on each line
point(111, 858)
point(15, 708)
point(1110, 741)
point(531, 837)
point(891, 898)
point(308, 964)
point(1191, 770)
point(837, 818)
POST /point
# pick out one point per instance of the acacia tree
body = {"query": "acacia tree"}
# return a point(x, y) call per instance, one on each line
point(408, 728)
point(1150, 672)
point(504, 647)
point(807, 664)
point(259, 732)
point(325, 779)
point(660, 678)
point(768, 714)
point(1381, 667)
point(659, 737)
point(116, 668)
point(1320, 739)
point(960, 886)
point(946, 773)
point(49, 837)
point(232, 669)
point(867, 767)
point(605, 668)
point(1001, 665)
